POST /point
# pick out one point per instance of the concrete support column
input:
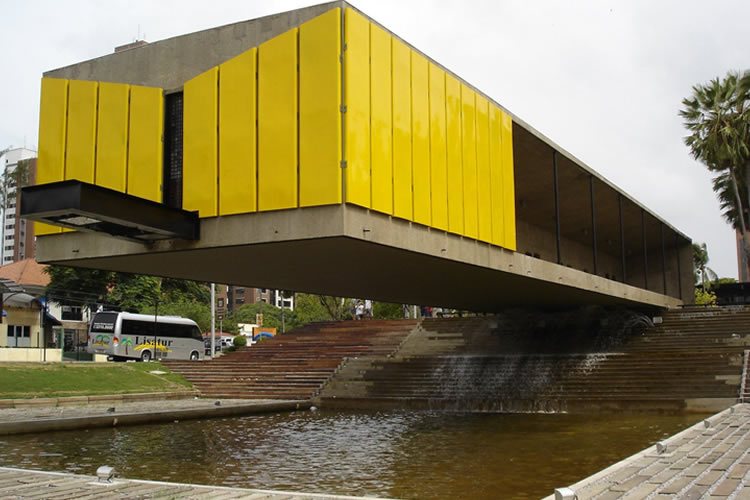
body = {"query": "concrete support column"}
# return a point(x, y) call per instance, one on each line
point(622, 239)
point(556, 183)
point(593, 224)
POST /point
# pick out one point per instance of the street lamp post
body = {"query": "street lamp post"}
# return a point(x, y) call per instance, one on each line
point(156, 323)
point(213, 319)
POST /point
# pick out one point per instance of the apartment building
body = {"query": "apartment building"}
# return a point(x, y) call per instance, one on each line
point(235, 296)
point(17, 234)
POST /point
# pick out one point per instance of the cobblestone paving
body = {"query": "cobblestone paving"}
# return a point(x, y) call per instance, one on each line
point(709, 460)
point(23, 484)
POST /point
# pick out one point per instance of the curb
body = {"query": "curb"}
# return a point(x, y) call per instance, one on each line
point(99, 399)
point(89, 422)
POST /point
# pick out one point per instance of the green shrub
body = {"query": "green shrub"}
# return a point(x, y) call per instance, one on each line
point(704, 298)
point(239, 341)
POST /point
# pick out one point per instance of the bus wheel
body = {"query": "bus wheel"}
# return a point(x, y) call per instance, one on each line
point(146, 356)
point(194, 355)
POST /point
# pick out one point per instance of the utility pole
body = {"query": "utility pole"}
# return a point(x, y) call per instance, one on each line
point(213, 319)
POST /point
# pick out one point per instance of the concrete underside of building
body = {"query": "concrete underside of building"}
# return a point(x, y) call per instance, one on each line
point(571, 236)
point(350, 251)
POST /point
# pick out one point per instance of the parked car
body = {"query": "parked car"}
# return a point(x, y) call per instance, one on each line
point(207, 345)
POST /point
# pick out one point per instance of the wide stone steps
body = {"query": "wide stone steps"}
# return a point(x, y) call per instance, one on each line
point(691, 354)
point(293, 365)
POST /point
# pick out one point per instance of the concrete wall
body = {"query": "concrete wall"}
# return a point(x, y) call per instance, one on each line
point(170, 63)
point(29, 354)
point(22, 317)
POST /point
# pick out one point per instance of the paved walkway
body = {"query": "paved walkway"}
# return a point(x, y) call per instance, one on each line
point(709, 460)
point(26, 484)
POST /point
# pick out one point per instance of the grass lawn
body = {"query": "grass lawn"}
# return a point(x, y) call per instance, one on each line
point(49, 380)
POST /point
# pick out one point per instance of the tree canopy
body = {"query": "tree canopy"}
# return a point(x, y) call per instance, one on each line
point(703, 273)
point(191, 299)
point(123, 291)
point(717, 117)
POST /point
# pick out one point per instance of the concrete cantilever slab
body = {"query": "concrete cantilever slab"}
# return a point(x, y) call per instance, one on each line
point(350, 251)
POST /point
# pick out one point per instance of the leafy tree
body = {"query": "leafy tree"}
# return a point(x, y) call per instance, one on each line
point(79, 286)
point(717, 117)
point(336, 308)
point(134, 292)
point(181, 290)
point(271, 314)
point(13, 180)
point(310, 308)
point(197, 311)
point(700, 265)
point(387, 310)
point(129, 292)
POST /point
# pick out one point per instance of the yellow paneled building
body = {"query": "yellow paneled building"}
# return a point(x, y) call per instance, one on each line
point(292, 123)
point(317, 137)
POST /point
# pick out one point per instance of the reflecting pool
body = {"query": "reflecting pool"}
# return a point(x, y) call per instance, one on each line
point(399, 454)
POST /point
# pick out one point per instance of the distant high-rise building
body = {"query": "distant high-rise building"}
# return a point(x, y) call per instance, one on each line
point(235, 296)
point(17, 234)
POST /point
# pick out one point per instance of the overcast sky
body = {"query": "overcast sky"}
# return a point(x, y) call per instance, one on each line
point(602, 78)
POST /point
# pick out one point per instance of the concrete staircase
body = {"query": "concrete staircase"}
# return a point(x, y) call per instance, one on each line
point(692, 360)
point(293, 365)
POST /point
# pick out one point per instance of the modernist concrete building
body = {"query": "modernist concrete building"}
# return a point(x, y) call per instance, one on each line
point(335, 158)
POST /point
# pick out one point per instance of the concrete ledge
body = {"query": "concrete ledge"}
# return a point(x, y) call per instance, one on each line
point(146, 417)
point(580, 406)
point(29, 354)
point(99, 399)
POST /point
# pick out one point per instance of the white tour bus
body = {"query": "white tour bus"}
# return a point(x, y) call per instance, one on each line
point(122, 335)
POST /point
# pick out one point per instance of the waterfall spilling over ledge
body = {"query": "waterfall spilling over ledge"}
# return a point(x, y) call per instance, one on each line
point(580, 360)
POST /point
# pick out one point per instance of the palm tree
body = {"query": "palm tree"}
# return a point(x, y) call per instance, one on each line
point(700, 265)
point(718, 119)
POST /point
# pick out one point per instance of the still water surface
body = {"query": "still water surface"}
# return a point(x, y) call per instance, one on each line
point(400, 454)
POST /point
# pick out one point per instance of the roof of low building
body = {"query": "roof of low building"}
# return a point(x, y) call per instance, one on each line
point(26, 272)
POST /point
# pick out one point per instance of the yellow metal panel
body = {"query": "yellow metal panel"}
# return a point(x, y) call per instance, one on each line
point(453, 155)
point(200, 143)
point(277, 122)
point(509, 201)
point(237, 148)
point(81, 139)
point(50, 165)
point(496, 176)
point(357, 95)
point(420, 139)
point(145, 151)
point(483, 169)
point(381, 126)
point(401, 88)
point(319, 110)
point(469, 149)
point(438, 171)
point(112, 136)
